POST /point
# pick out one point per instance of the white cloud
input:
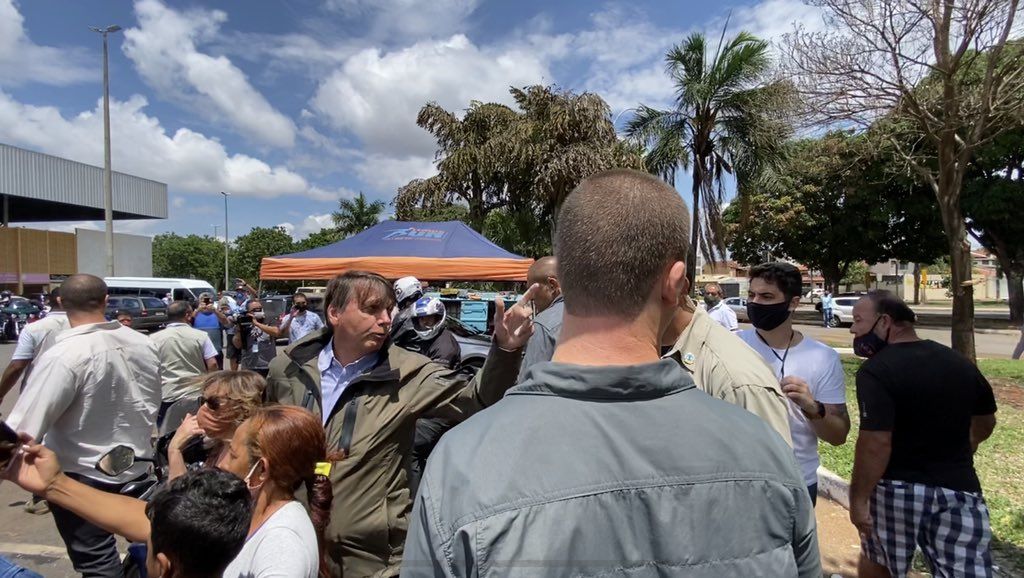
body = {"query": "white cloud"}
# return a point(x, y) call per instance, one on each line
point(386, 173)
point(178, 202)
point(187, 160)
point(164, 51)
point(319, 194)
point(377, 95)
point(415, 19)
point(771, 19)
point(22, 60)
point(310, 225)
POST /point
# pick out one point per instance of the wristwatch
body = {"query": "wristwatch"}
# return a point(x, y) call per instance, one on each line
point(820, 414)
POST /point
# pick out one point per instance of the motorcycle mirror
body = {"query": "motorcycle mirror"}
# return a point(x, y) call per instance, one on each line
point(117, 461)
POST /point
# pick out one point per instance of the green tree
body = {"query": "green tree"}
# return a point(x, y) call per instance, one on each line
point(189, 257)
point(728, 119)
point(356, 215)
point(522, 161)
point(993, 198)
point(321, 238)
point(250, 249)
point(442, 212)
point(519, 232)
point(837, 205)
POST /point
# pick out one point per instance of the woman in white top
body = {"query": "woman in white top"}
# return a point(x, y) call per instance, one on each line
point(276, 451)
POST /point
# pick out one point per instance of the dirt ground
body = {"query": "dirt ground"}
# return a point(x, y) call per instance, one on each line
point(837, 539)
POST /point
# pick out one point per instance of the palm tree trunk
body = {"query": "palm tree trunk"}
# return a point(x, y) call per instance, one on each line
point(691, 265)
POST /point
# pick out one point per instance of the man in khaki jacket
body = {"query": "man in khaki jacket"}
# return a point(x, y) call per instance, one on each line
point(369, 395)
point(725, 367)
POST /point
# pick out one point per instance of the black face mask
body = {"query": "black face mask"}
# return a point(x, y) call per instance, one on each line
point(301, 306)
point(711, 301)
point(870, 344)
point(767, 317)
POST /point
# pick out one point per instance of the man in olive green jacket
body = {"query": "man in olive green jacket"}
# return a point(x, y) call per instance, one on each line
point(369, 395)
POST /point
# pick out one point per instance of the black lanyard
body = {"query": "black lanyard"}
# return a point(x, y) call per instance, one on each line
point(781, 358)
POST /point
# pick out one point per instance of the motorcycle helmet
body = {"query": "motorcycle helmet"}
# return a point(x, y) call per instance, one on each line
point(428, 316)
point(407, 289)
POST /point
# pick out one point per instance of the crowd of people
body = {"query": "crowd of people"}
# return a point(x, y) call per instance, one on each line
point(616, 427)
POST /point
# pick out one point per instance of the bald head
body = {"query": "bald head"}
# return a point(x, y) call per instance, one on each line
point(544, 272)
point(83, 293)
point(627, 227)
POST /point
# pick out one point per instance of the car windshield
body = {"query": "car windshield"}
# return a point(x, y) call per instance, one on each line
point(152, 303)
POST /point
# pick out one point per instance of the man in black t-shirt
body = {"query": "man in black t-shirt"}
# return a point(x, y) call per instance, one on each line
point(924, 409)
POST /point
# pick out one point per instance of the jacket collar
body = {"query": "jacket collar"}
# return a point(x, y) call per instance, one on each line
point(306, 353)
point(611, 383)
point(691, 340)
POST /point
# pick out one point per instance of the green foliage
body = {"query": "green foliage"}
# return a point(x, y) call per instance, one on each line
point(524, 161)
point(356, 215)
point(839, 201)
point(189, 257)
point(250, 249)
point(855, 273)
point(320, 238)
point(443, 212)
point(729, 118)
point(521, 233)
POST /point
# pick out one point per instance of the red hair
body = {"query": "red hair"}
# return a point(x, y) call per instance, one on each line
point(293, 441)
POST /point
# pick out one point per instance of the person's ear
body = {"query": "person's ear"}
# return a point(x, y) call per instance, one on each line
point(674, 283)
point(555, 287)
point(333, 315)
point(794, 303)
point(164, 564)
point(60, 304)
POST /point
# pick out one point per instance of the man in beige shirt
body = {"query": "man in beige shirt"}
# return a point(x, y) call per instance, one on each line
point(725, 367)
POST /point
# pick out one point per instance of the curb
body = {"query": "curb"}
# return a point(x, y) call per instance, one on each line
point(998, 331)
point(831, 486)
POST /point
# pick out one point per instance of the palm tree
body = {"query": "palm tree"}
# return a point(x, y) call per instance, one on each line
point(356, 215)
point(727, 120)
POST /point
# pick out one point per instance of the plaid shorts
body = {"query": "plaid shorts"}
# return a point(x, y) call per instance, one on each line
point(951, 528)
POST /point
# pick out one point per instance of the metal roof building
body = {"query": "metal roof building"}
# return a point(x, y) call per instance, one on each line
point(40, 187)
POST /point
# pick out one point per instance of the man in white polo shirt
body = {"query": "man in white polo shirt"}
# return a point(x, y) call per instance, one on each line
point(34, 340)
point(717, 309)
point(97, 387)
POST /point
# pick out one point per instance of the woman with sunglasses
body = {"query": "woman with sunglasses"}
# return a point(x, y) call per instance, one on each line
point(228, 399)
point(276, 451)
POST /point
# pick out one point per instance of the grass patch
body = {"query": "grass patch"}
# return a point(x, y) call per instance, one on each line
point(999, 461)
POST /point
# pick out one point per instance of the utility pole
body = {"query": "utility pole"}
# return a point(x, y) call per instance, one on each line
point(108, 193)
point(226, 195)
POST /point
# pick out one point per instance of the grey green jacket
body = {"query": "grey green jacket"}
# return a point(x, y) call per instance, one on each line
point(612, 471)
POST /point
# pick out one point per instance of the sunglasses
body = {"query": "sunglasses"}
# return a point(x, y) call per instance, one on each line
point(214, 403)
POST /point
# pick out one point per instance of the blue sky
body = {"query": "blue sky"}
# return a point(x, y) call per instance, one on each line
point(292, 104)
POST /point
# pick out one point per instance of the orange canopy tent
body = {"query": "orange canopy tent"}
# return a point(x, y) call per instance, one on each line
point(445, 251)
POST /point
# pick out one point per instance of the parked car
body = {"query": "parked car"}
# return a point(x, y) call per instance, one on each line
point(473, 345)
point(739, 306)
point(842, 309)
point(275, 307)
point(148, 313)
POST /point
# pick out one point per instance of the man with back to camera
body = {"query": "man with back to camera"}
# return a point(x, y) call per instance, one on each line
point(809, 371)
point(33, 341)
point(185, 352)
point(924, 411)
point(607, 460)
point(548, 307)
point(717, 309)
point(97, 387)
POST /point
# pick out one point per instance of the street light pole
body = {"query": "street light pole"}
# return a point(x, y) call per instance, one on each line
point(226, 195)
point(108, 193)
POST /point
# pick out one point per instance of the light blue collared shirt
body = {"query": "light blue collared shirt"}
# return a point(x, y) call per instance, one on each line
point(335, 377)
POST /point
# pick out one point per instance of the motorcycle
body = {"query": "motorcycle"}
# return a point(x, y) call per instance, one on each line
point(14, 318)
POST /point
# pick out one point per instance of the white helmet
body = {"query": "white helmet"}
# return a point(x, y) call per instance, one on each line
point(407, 288)
point(428, 307)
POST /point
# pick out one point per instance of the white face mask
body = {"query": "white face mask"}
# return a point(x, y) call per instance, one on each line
point(252, 470)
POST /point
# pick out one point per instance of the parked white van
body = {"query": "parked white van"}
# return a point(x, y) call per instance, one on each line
point(180, 289)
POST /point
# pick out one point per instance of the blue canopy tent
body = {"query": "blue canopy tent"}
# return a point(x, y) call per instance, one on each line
point(441, 251)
